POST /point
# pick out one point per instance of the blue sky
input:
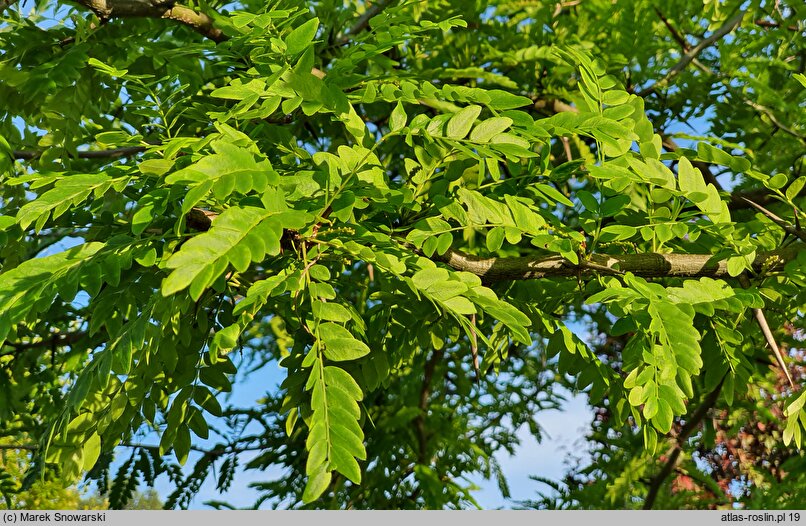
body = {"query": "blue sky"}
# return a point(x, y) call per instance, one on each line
point(563, 432)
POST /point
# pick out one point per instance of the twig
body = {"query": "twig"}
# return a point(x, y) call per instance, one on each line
point(54, 341)
point(769, 24)
point(567, 148)
point(12, 447)
point(363, 20)
point(770, 115)
point(765, 328)
point(425, 394)
point(474, 347)
point(693, 52)
point(6, 3)
point(30, 155)
point(675, 34)
point(558, 9)
point(658, 480)
point(800, 234)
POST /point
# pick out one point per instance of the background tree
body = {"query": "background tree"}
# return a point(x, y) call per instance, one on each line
point(405, 205)
point(48, 492)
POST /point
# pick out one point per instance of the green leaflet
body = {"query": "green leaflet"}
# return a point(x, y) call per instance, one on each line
point(300, 37)
point(335, 439)
point(338, 343)
point(461, 297)
point(459, 125)
point(34, 283)
point(68, 192)
point(228, 170)
point(239, 236)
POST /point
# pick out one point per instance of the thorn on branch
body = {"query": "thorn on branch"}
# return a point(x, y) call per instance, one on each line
point(765, 329)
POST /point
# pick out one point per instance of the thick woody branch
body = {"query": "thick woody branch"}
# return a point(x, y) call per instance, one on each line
point(553, 106)
point(199, 22)
point(652, 265)
point(6, 3)
point(30, 155)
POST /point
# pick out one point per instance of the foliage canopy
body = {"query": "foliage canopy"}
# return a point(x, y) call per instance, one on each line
point(407, 206)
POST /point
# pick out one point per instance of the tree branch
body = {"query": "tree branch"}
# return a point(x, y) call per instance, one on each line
point(799, 233)
point(693, 52)
point(29, 155)
point(363, 20)
point(6, 3)
point(14, 447)
point(535, 267)
point(773, 119)
point(425, 394)
point(552, 106)
point(57, 340)
point(199, 22)
point(658, 480)
point(645, 265)
point(675, 34)
point(769, 24)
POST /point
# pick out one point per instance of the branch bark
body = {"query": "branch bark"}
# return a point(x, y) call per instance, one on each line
point(199, 22)
point(651, 265)
point(774, 25)
point(29, 155)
